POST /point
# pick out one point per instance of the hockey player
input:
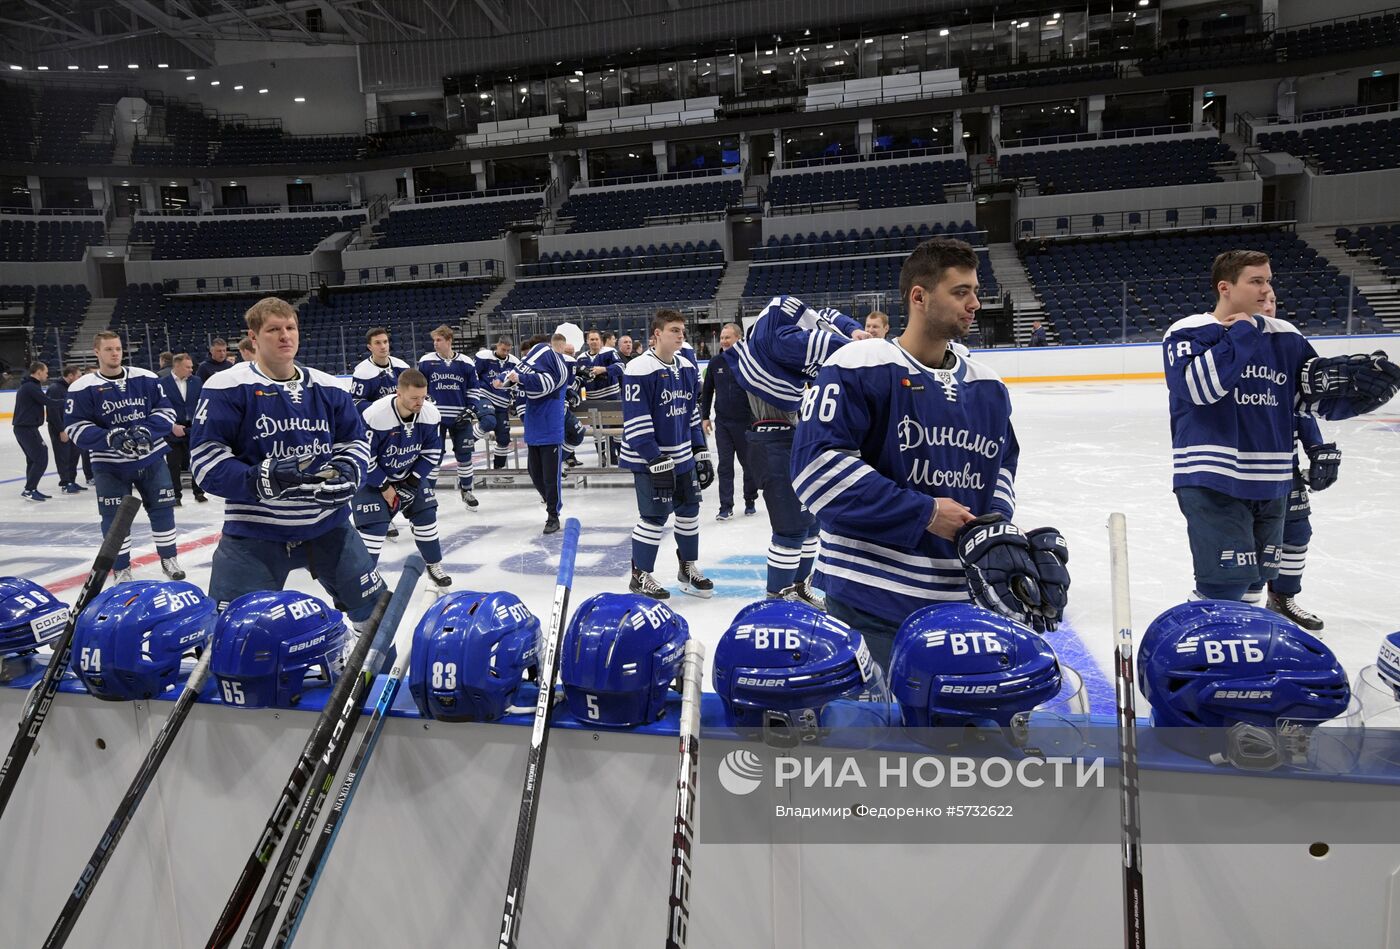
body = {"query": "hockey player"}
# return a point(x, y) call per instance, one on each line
point(664, 447)
point(492, 365)
point(543, 376)
point(1236, 379)
point(783, 351)
point(902, 445)
point(453, 387)
point(285, 448)
point(375, 377)
point(121, 415)
point(600, 383)
point(405, 445)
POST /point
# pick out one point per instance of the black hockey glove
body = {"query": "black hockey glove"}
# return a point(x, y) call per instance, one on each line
point(1326, 462)
point(121, 441)
point(704, 468)
point(279, 477)
point(572, 399)
point(1372, 379)
point(663, 480)
point(464, 421)
point(1001, 573)
point(406, 490)
point(1051, 556)
point(142, 437)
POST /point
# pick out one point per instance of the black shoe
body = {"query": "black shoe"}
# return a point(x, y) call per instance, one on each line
point(179, 502)
point(201, 497)
point(551, 525)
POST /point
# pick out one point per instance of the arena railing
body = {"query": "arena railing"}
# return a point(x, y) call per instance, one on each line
point(435, 270)
point(855, 303)
point(860, 158)
point(617, 263)
point(328, 207)
point(620, 317)
point(1106, 135)
point(1154, 219)
point(668, 177)
point(1353, 18)
point(1246, 123)
point(835, 250)
point(524, 190)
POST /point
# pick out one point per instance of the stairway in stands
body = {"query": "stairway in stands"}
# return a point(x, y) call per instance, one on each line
point(731, 289)
point(96, 318)
point(1013, 279)
point(1373, 283)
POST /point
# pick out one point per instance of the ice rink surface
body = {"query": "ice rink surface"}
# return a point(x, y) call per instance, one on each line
point(1086, 450)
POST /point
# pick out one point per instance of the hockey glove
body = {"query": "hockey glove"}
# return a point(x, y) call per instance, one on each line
point(465, 421)
point(120, 441)
point(1051, 556)
point(1001, 574)
point(1326, 461)
point(1374, 378)
point(572, 398)
point(278, 477)
point(142, 437)
point(663, 480)
point(704, 468)
point(406, 490)
point(335, 484)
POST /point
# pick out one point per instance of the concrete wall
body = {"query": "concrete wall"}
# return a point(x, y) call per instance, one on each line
point(1294, 12)
point(1348, 199)
point(324, 188)
point(1140, 199)
point(504, 249)
point(780, 224)
point(154, 271)
point(670, 234)
point(41, 272)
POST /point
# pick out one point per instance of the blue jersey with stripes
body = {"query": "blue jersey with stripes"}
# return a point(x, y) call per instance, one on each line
point(660, 412)
point(97, 404)
point(880, 436)
point(1233, 395)
point(785, 349)
point(544, 380)
point(452, 382)
point(489, 368)
point(371, 382)
point(245, 417)
point(402, 447)
point(606, 386)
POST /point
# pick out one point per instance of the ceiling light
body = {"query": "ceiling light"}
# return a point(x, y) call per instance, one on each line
point(133, 66)
point(524, 89)
point(72, 67)
point(942, 32)
point(237, 88)
point(213, 82)
point(579, 72)
point(905, 36)
point(233, 184)
point(42, 68)
point(486, 95)
point(575, 79)
point(1024, 24)
point(162, 65)
point(299, 99)
point(172, 184)
point(767, 71)
point(189, 79)
point(830, 45)
point(1143, 3)
point(839, 62)
point(868, 42)
point(99, 67)
point(262, 92)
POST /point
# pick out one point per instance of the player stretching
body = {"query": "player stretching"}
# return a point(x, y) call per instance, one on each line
point(375, 377)
point(285, 448)
point(405, 445)
point(492, 365)
point(121, 415)
point(664, 447)
point(452, 385)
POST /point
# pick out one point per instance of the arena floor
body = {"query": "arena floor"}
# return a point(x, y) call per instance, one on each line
point(1086, 450)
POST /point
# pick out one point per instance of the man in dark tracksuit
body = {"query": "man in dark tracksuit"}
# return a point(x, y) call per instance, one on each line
point(182, 387)
point(30, 414)
point(731, 428)
point(65, 453)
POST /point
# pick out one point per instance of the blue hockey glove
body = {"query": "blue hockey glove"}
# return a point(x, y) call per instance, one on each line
point(1001, 572)
point(1373, 379)
point(1051, 556)
point(406, 490)
point(464, 421)
point(279, 477)
point(121, 441)
point(663, 480)
point(335, 484)
point(143, 438)
point(704, 468)
point(1326, 463)
point(572, 398)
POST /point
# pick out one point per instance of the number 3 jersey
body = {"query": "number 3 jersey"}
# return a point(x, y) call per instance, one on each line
point(245, 417)
point(97, 404)
point(880, 436)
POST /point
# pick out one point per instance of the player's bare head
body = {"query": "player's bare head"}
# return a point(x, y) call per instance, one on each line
point(877, 324)
point(443, 338)
point(504, 344)
point(667, 333)
point(71, 372)
point(609, 338)
point(273, 332)
point(929, 266)
point(1270, 307)
point(561, 344)
point(374, 341)
point(266, 310)
point(166, 358)
point(729, 334)
point(1242, 274)
point(595, 341)
point(108, 347)
point(247, 348)
point(624, 345)
point(412, 390)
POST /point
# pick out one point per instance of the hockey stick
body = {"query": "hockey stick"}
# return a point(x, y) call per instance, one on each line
point(323, 779)
point(539, 742)
point(687, 783)
point(39, 705)
point(331, 721)
point(1134, 913)
point(87, 880)
point(301, 897)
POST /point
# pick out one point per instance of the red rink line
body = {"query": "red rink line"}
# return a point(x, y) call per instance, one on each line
point(68, 583)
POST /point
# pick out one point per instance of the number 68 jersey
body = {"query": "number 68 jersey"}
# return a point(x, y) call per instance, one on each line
point(879, 437)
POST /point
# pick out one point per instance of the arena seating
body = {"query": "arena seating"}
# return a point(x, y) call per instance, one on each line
point(1380, 242)
point(1332, 38)
point(409, 313)
point(58, 312)
point(1041, 77)
point(654, 287)
point(16, 123)
point(649, 257)
point(189, 132)
point(66, 117)
point(266, 236)
point(473, 221)
point(871, 186)
point(409, 142)
point(243, 145)
point(1080, 283)
point(1217, 52)
point(1113, 167)
point(47, 239)
point(866, 241)
point(614, 209)
point(1339, 149)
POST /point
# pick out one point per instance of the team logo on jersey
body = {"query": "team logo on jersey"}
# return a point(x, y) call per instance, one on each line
point(949, 382)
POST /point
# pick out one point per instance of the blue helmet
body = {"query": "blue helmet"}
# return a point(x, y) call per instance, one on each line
point(265, 643)
point(621, 652)
point(471, 652)
point(1223, 665)
point(129, 641)
point(794, 671)
point(30, 616)
point(958, 664)
point(1388, 664)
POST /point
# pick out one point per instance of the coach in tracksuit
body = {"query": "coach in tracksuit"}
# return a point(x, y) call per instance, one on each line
point(731, 426)
point(29, 418)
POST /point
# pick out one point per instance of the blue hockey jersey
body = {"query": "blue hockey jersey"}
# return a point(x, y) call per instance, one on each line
point(879, 437)
point(660, 412)
point(97, 404)
point(606, 386)
point(452, 383)
point(1233, 395)
point(245, 417)
point(398, 448)
point(371, 382)
point(489, 368)
point(785, 349)
point(544, 379)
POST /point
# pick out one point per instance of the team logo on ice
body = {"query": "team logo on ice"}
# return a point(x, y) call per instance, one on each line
point(740, 772)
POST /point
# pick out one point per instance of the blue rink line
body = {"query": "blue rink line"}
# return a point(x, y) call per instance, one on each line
point(1072, 652)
